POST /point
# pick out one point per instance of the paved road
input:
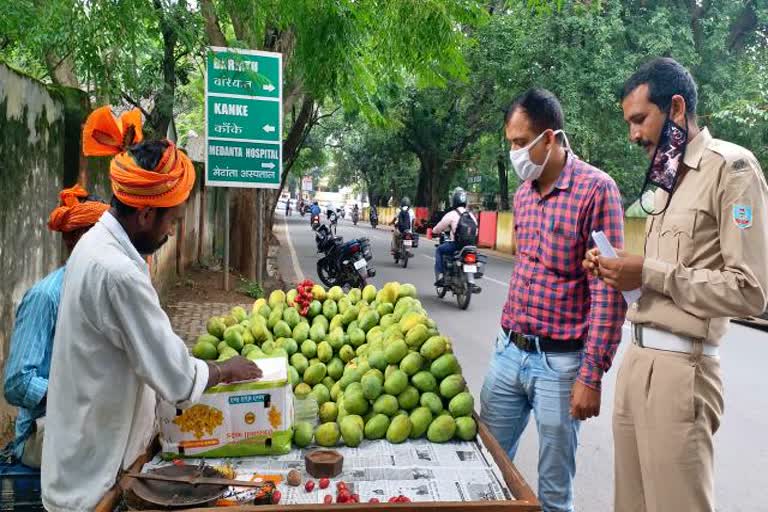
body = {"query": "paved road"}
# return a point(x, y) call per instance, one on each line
point(742, 452)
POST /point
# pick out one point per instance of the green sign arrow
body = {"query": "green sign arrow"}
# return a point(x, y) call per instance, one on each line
point(243, 118)
point(244, 124)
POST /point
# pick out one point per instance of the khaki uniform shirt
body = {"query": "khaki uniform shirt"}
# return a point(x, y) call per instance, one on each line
point(706, 257)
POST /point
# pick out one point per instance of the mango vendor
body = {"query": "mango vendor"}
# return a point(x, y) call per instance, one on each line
point(29, 358)
point(114, 350)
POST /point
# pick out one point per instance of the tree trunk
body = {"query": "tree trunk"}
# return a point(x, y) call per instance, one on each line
point(212, 27)
point(501, 163)
point(422, 188)
point(299, 131)
point(242, 230)
point(162, 114)
point(62, 70)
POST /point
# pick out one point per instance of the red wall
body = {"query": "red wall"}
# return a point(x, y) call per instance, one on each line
point(487, 230)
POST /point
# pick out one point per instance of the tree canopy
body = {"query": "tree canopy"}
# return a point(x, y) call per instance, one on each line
point(410, 94)
point(583, 53)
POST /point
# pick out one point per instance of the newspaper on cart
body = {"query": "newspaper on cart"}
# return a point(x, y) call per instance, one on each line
point(419, 469)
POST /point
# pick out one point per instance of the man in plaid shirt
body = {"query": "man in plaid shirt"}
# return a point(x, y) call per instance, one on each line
point(560, 327)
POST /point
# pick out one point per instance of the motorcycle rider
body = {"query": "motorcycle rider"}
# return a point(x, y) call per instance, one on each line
point(373, 215)
point(355, 213)
point(403, 222)
point(315, 208)
point(449, 221)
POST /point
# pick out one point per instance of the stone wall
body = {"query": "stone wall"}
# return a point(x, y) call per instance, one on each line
point(39, 126)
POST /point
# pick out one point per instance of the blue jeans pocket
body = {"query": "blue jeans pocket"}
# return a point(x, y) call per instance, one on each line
point(562, 364)
point(502, 340)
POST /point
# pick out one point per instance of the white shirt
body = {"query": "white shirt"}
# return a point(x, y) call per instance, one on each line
point(451, 220)
point(114, 349)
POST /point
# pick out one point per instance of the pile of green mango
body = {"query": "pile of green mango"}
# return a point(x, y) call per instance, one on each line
point(373, 360)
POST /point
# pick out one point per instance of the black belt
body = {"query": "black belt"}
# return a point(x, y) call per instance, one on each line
point(527, 343)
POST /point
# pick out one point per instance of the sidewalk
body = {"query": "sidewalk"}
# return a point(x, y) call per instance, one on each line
point(200, 294)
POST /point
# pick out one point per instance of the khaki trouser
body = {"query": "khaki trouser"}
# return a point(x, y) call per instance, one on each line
point(667, 408)
point(33, 446)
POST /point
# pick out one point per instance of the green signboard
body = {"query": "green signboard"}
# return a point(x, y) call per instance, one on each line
point(244, 118)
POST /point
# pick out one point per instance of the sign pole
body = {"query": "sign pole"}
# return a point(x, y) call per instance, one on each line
point(260, 251)
point(226, 239)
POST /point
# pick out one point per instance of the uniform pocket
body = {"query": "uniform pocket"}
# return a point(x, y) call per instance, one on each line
point(671, 397)
point(676, 237)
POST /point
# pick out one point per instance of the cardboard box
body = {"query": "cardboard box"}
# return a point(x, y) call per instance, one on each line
point(233, 420)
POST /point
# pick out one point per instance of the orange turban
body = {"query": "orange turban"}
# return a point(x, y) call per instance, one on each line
point(74, 214)
point(165, 186)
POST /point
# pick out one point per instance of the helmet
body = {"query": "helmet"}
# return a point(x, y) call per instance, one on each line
point(459, 198)
point(405, 201)
point(314, 201)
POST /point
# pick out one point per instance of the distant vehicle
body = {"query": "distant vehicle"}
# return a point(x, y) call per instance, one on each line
point(461, 269)
point(402, 252)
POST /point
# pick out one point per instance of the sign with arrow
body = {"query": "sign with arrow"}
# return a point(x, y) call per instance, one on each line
point(244, 118)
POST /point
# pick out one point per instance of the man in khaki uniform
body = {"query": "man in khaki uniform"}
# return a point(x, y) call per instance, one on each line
point(706, 260)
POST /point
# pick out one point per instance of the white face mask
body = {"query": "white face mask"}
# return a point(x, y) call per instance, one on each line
point(521, 159)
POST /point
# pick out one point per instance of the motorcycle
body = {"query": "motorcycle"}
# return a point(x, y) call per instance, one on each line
point(314, 221)
point(374, 218)
point(343, 264)
point(460, 271)
point(355, 217)
point(408, 240)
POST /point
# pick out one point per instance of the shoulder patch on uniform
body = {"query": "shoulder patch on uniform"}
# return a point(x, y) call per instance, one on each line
point(737, 158)
point(742, 216)
point(740, 164)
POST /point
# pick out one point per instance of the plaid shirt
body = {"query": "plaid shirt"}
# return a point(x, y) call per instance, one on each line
point(550, 294)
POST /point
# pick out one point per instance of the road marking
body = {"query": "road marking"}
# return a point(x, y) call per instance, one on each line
point(294, 259)
point(484, 278)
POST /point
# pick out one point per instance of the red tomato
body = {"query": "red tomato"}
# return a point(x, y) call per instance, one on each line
point(356, 498)
point(309, 485)
point(324, 483)
point(374, 500)
point(276, 495)
point(328, 499)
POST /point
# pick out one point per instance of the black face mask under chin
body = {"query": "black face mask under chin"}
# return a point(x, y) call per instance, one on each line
point(664, 169)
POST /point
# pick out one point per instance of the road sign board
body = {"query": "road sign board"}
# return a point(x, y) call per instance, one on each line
point(244, 118)
point(306, 184)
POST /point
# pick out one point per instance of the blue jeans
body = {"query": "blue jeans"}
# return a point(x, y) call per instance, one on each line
point(518, 382)
point(447, 248)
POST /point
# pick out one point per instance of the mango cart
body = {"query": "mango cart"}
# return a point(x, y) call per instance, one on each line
point(383, 382)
